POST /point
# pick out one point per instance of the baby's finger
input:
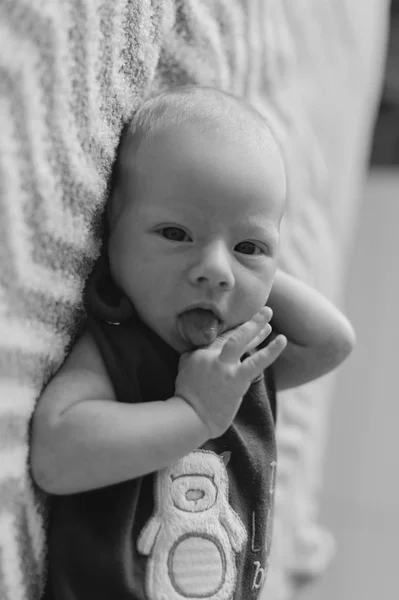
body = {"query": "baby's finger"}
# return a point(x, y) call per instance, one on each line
point(262, 335)
point(259, 361)
point(237, 341)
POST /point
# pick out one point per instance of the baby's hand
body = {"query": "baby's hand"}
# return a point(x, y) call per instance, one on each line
point(213, 380)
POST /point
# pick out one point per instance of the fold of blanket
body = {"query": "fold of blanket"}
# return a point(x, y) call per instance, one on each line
point(72, 73)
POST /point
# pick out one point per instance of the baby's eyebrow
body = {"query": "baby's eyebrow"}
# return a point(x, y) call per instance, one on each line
point(167, 211)
point(261, 227)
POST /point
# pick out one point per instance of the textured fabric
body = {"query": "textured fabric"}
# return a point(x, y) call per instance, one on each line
point(72, 72)
point(145, 539)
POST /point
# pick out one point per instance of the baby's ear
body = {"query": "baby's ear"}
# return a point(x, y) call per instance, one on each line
point(225, 456)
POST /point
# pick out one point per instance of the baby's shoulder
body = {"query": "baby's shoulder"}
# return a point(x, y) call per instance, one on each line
point(85, 363)
point(82, 377)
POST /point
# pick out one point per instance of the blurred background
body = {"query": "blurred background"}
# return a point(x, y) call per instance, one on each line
point(360, 495)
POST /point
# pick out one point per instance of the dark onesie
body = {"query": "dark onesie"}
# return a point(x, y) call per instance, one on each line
point(200, 529)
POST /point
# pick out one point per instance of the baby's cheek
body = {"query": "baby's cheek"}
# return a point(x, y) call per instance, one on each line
point(253, 296)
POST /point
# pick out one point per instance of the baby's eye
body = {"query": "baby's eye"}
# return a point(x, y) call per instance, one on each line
point(249, 248)
point(174, 234)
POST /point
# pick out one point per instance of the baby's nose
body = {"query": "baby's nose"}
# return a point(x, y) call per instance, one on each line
point(214, 268)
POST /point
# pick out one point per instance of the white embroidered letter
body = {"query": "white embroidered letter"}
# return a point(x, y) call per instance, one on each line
point(259, 576)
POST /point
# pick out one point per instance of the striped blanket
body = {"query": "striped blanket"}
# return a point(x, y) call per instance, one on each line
point(72, 72)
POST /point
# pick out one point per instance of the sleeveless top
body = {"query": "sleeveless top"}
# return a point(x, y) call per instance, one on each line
point(200, 529)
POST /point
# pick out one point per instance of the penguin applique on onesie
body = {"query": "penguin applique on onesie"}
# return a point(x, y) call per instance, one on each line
point(194, 534)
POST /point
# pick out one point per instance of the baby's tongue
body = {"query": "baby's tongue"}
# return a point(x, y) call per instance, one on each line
point(198, 326)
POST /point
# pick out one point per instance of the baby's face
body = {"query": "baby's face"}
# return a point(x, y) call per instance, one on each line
point(195, 249)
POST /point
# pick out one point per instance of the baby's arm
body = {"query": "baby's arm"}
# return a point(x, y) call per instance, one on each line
point(82, 438)
point(319, 337)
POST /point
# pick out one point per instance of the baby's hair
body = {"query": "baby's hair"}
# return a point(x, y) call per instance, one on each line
point(208, 108)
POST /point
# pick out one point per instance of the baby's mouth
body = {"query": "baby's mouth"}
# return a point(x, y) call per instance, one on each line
point(199, 326)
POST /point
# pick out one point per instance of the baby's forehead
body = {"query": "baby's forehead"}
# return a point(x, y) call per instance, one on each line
point(191, 139)
point(203, 176)
point(176, 141)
